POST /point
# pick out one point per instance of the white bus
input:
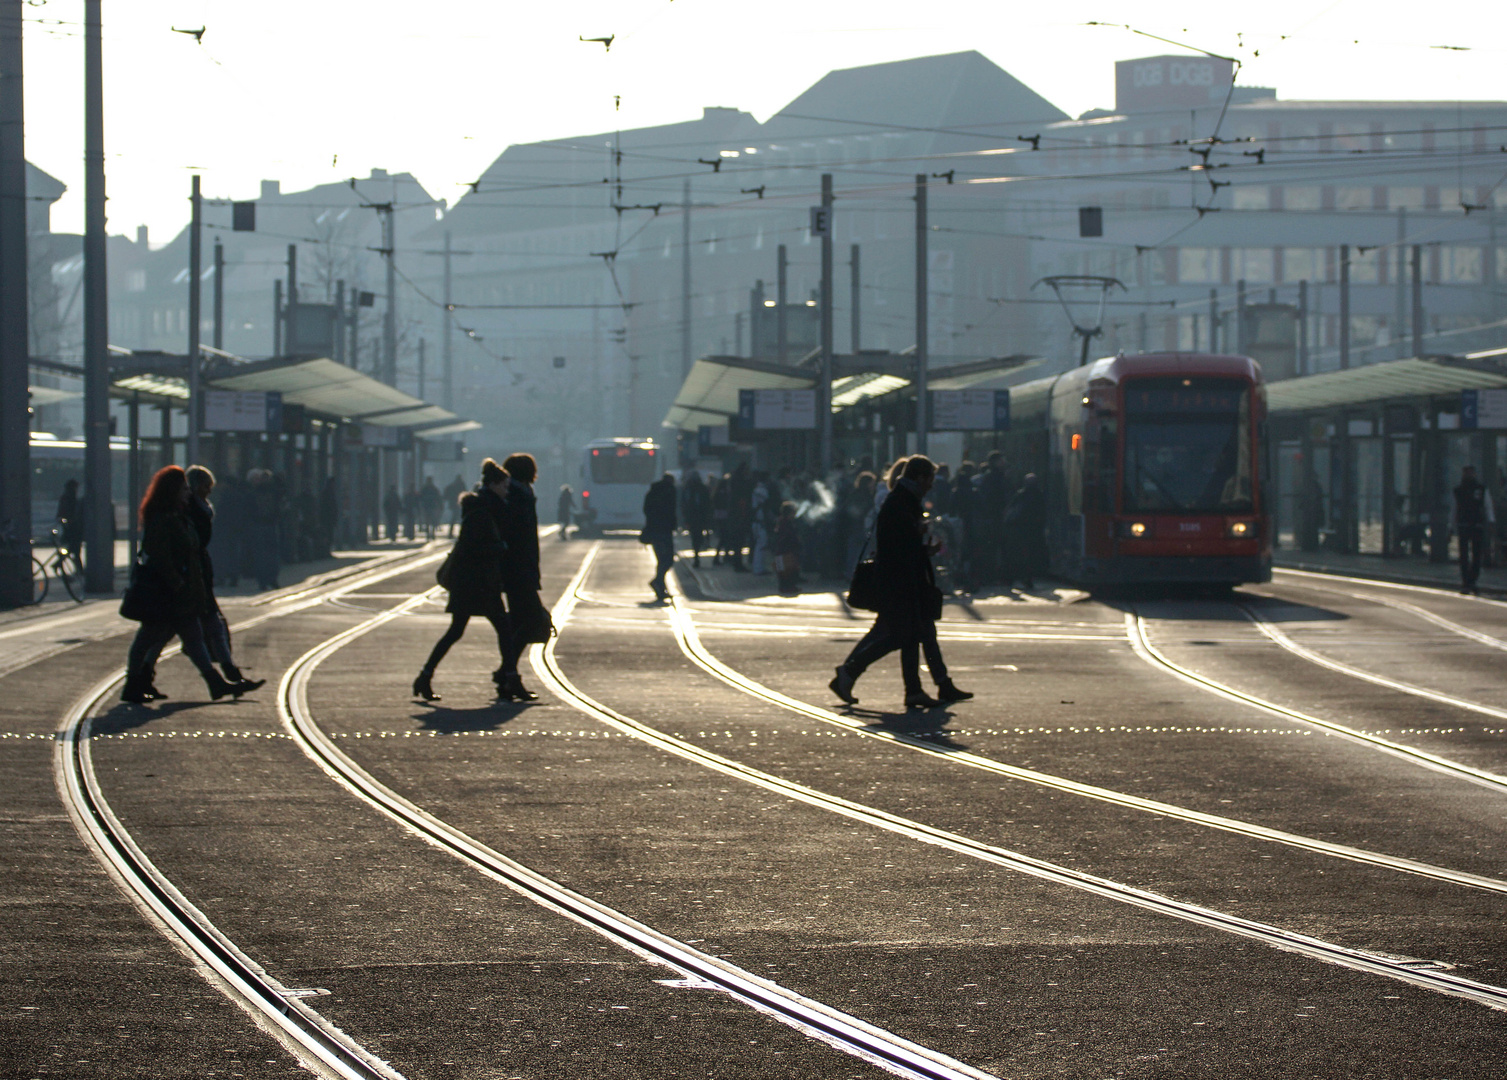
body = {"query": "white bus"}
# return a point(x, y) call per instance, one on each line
point(615, 476)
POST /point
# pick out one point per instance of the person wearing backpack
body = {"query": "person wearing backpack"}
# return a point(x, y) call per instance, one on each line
point(472, 574)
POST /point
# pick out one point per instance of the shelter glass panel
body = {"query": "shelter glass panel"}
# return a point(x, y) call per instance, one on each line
point(1368, 495)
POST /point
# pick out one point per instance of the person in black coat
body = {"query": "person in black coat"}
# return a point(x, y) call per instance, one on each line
point(475, 584)
point(201, 482)
point(520, 574)
point(659, 530)
point(696, 511)
point(1026, 534)
point(908, 596)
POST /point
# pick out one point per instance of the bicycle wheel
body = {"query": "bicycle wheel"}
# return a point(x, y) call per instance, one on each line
point(38, 580)
point(67, 570)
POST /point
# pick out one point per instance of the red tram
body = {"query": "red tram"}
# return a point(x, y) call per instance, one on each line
point(1154, 468)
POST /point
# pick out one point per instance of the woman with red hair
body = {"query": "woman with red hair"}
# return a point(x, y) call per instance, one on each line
point(168, 592)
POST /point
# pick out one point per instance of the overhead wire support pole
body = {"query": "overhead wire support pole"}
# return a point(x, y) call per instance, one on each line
point(781, 323)
point(15, 438)
point(824, 397)
point(923, 329)
point(685, 281)
point(219, 295)
point(195, 256)
point(854, 323)
point(446, 348)
point(390, 314)
point(99, 515)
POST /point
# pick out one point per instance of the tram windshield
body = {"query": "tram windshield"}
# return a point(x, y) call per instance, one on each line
point(1188, 446)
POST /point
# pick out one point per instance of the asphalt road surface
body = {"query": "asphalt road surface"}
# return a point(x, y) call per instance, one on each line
point(1255, 836)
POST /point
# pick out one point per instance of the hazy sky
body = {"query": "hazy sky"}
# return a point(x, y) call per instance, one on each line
point(318, 91)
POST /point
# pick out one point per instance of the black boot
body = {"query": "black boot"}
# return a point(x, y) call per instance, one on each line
point(422, 688)
point(135, 692)
point(947, 691)
point(218, 687)
point(512, 686)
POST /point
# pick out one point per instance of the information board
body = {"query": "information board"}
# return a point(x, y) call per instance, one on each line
point(243, 410)
point(970, 410)
point(776, 410)
point(1483, 408)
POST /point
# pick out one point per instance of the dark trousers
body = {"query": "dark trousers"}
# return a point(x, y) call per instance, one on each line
point(933, 652)
point(1471, 537)
point(664, 558)
point(883, 638)
point(523, 605)
point(217, 641)
point(152, 637)
point(698, 541)
point(457, 631)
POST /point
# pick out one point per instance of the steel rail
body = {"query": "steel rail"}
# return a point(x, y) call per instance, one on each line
point(1377, 583)
point(275, 1008)
point(1140, 641)
point(829, 1025)
point(683, 626)
point(1413, 609)
point(547, 667)
point(1277, 635)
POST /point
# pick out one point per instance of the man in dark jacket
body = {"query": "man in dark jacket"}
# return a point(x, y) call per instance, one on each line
point(211, 621)
point(1473, 510)
point(908, 595)
point(659, 530)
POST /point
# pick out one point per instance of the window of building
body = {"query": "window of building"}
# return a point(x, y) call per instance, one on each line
point(1304, 197)
point(1302, 264)
point(1405, 198)
point(1253, 265)
point(136, 281)
point(1252, 198)
point(1365, 266)
point(1459, 265)
point(1198, 266)
point(1349, 197)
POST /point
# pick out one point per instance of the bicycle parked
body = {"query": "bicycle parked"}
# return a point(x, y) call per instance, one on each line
point(62, 564)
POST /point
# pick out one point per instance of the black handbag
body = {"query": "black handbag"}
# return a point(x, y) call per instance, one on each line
point(442, 572)
point(864, 588)
point(148, 596)
point(532, 623)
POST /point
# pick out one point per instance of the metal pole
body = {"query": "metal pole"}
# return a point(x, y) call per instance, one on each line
point(824, 396)
point(277, 316)
point(448, 356)
point(685, 281)
point(857, 295)
point(15, 428)
point(133, 470)
point(390, 316)
point(219, 294)
point(922, 329)
point(195, 256)
point(1213, 320)
point(1400, 288)
point(1344, 306)
point(1417, 299)
point(339, 336)
point(421, 368)
point(99, 518)
point(781, 326)
point(1303, 327)
point(1240, 316)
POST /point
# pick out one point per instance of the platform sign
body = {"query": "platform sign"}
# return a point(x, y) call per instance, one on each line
point(243, 410)
point(970, 410)
point(1483, 409)
point(711, 436)
point(776, 410)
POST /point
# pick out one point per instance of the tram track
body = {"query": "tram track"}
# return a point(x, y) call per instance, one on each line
point(1421, 974)
point(279, 1010)
point(687, 637)
point(695, 969)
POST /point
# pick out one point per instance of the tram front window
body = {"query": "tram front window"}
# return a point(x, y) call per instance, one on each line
point(1187, 446)
point(622, 465)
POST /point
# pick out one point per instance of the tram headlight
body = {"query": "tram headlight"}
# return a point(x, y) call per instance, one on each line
point(1240, 530)
point(1136, 530)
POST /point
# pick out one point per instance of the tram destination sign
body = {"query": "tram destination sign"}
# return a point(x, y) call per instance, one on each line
point(1483, 409)
point(776, 410)
point(969, 410)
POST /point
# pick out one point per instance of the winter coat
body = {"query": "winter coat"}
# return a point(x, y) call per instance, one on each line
point(476, 562)
point(696, 505)
point(520, 532)
point(171, 550)
point(659, 508)
point(904, 571)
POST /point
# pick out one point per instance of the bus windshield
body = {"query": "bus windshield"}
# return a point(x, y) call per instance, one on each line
point(1188, 446)
point(622, 465)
